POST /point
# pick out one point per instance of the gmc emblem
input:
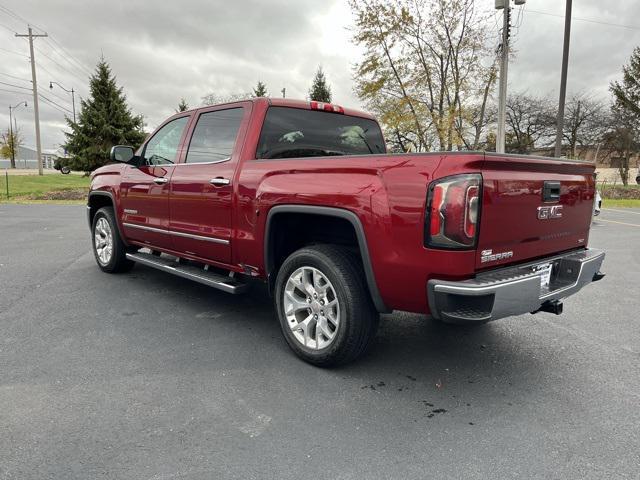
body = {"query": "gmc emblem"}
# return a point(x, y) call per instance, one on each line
point(548, 213)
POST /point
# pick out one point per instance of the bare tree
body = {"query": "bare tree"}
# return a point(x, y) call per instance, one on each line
point(424, 58)
point(621, 142)
point(586, 121)
point(214, 99)
point(530, 121)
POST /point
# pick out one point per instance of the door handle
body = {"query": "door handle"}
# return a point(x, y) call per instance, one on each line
point(219, 181)
point(160, 180)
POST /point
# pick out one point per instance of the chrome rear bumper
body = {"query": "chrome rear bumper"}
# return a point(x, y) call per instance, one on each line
point(513, 290)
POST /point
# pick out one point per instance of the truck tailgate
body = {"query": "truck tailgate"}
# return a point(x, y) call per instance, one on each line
point(533, 207)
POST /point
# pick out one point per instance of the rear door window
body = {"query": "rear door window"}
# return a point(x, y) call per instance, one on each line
point(214, 137)
point(294, 132)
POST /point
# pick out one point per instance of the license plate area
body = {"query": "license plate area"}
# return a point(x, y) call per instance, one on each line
point(544, 270)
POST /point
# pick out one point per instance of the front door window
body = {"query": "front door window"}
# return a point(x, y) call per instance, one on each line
point(162, 149)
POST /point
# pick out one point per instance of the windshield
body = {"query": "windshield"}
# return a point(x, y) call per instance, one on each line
point(293, 132)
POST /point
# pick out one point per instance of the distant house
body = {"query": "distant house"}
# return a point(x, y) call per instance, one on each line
point(26, 158)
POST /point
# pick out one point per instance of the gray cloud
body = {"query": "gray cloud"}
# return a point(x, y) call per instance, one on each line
point(161, 51)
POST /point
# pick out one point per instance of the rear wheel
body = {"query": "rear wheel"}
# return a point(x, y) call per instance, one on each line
point(65, 170)
point(108, 248)
point(324, 307)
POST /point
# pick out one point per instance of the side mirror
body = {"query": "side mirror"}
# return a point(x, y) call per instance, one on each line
point(121, 153)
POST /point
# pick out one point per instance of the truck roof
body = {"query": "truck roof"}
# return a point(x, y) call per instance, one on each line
point(287, 102)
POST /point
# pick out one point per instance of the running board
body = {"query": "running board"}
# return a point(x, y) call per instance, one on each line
point(190, 272)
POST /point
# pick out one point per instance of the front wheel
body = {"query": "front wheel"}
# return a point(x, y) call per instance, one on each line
point(108, 248)
point(324, 307)
point(65, 170)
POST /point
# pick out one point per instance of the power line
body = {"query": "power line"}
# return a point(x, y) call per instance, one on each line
point(14, 77)
point(75, 75)
point(53, 75)
point(51, 92)
point(15, 86)
point(70, 58)
point(8, 28)
point(11, 91)
point(630, 27)
point(14, 52)
point(19, 18)
point(60, 107)
point(73, 61)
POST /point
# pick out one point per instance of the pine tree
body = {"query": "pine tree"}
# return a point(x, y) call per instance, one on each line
point(105, 120)
point(182, 106)
point(624, 137)
point(627, 95)
point(260, 90)
point(320, 91)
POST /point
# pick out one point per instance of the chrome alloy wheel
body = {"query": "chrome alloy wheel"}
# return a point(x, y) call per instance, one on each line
point(103, 241)
point(311, 307)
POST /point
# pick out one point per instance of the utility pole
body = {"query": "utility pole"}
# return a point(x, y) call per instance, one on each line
point(575, 142)
point(36, 111)
point(11, 131)
point(563, 80)
point(504, 66)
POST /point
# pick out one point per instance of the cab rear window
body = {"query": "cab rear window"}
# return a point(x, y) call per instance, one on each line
point(294, 132)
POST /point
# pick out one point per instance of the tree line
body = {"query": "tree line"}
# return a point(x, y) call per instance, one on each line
point(320, 91)
point(105, 119)
point(429, 72)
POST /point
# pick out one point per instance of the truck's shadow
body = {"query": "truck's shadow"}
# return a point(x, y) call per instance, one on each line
point(411, 351)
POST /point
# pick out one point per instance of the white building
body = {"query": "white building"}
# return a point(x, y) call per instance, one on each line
point(26, 158)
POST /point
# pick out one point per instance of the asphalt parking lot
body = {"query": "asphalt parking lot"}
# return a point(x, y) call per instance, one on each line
point(148, 376)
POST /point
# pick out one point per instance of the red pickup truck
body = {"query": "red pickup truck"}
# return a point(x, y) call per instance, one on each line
point(303, 196)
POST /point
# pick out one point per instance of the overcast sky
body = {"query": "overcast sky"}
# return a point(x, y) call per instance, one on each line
point(162, 51)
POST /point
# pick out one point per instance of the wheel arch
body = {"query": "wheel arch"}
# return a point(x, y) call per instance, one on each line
point(101, 198)
point(270, 258)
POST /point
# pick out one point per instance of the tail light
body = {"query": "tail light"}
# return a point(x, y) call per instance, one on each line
point(453, 212)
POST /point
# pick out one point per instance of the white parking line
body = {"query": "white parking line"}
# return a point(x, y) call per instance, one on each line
point(619, 223)
point(620, 211)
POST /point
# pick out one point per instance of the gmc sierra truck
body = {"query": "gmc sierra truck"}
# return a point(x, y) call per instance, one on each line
point(303, 196)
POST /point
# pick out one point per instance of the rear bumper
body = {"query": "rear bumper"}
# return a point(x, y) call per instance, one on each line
point(513, 290)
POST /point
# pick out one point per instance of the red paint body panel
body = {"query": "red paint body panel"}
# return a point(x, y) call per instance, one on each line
point(512, 194)
point(388, 194)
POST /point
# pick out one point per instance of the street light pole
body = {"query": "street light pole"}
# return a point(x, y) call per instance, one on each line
point(11, 139)
point(73, 97)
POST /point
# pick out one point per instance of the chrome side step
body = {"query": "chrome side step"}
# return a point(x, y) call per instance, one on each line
point(190, 272)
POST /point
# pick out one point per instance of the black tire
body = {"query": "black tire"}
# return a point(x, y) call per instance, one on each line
point(358, 317)
point(65, 170)
point(118, 261)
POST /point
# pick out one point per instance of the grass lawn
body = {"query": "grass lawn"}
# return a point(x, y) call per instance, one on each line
point(620, 203)
point(34, 187)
